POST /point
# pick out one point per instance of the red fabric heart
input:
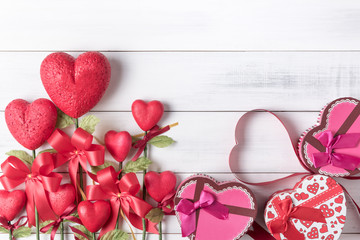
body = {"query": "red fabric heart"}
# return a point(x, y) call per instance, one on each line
point(94, 215)
point(11, 203)
point(75, 86)
point(147, 115)
point(118, 144)
point(160, 185)
point(31, 124)
point(61, 199)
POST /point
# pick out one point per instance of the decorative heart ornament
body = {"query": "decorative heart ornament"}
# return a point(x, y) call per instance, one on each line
point(147, 115)
point(333, 146)
point(62, 198)
point(314, 209)
point(94, 215)
point(118, 144)
point(159, 185)
point(31, 124)
point(211, 210)
point(11, 203)
point(75, 86)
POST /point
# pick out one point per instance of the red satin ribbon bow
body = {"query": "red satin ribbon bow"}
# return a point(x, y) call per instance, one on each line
point(121, 193)
point(56, 224)
point(287, 211)
point(11, 227)
point(188, 209)
point(78, 149)
point(327, 139)
point(153, 132)
point(37, 182)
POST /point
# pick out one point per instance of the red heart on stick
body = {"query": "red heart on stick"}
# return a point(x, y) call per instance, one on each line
point(61, 199)
point(160, 185)
point(118, 144)
point(94, 215)
point(75, 86)
point(147, 115)
point(11, 203)
point(31, 124)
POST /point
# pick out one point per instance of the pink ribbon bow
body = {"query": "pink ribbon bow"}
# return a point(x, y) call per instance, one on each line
point(121, 193)
point(207, 202)
point(330, 157)
point(153, 132)
point(37, 182)
point(11, 227)
point(78, 149)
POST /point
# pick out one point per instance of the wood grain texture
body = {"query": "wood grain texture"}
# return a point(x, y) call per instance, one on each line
point(189, 25)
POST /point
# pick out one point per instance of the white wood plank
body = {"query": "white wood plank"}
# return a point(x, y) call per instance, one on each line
point(222, 81)
point(189, 25)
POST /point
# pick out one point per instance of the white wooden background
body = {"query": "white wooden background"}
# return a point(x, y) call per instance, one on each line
point(208, 62)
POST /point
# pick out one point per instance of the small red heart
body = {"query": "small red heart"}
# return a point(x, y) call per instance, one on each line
point(160, 185)
point(326, 211)
point(297, 196)
point(270, 215)
point(313, 234)
point(324, 228)
point(339, 199)
point(94, 215)
point(331, 204)
point(307, 224)
point(330, 237)
point(11, 203)
point(75, 86)
point(313, 188)
point(147, 115)
point(304, 196)
point(31, 124)
point(118, 144)
point(61, 199)
point(338, 209)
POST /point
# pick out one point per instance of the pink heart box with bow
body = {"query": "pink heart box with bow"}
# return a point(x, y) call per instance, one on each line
point(234, 197)
point(316, 210)
point(332, 147)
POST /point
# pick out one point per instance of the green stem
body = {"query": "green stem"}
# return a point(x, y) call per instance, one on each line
point(76, 123)
point(81, 180)
point(62, 230)
point(37, 224)
point(144, 194)
point(94, 236)
point(160, 230)
point(10, 232)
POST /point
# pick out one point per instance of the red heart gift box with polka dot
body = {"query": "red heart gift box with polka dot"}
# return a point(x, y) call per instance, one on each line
point(314, 209)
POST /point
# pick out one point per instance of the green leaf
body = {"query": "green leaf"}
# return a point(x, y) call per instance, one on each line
point(95, 169)
point(134, 139)
point(84, 230)
point(47, 150)
point(161, 141)
point(155, 215)
point(140, 164)
point(3, 230)
point(22, 155)
point(89, 123)
point(22, 232)
point(43, 224)
point(63, 120)
point(116, 234)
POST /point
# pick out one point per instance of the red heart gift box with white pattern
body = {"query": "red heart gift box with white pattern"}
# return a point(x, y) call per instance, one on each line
point(314, 209)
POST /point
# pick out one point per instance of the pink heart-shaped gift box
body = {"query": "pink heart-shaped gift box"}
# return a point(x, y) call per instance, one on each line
point(234, 195)
point(340, 117)
point(317, 192)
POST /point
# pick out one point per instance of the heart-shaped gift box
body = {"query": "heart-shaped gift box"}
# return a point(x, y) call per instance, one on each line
point(332, 147)
point(314, 209)
point(201, 222)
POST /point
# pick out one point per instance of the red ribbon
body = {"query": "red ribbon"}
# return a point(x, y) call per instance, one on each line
point(330, 157)
point(286, 211)
point(78, 150)
point(37, 182)
point(167, 203)
point(141, 144)
point(121, 193)
point(207, 202)
point(56, 224)
point(11, 227)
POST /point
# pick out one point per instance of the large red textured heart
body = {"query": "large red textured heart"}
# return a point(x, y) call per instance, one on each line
point(160, 185)
point(11, 203)
point(118, 144)
point(62, 199)
point(147, 115)
point(75, 86)
point(31, 124)
point(94, 215)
